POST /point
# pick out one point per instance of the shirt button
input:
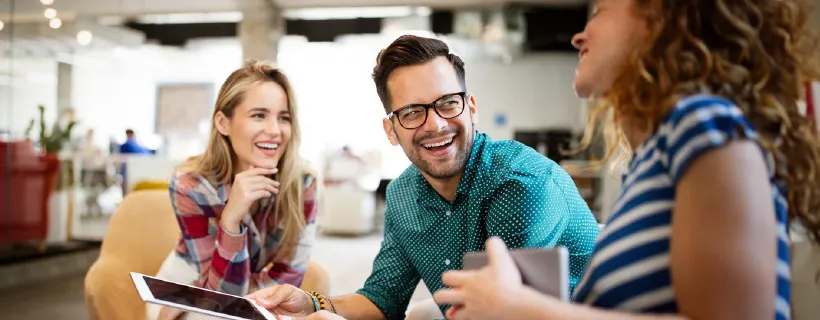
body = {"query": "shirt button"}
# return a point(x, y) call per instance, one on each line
point(448, 212)
point(447, 261)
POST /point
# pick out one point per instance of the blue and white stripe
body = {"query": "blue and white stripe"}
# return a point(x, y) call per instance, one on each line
point(629, 269)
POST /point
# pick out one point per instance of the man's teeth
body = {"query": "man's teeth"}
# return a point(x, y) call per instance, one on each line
point(271, 146)
point(433, 145)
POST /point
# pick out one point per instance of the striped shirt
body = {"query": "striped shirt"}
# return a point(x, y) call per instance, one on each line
point(235, 263)
point(630, 267)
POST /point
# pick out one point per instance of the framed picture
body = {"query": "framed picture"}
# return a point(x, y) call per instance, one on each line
point(182, 108)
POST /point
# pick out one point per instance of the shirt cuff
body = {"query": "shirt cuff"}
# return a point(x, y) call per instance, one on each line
point(384, 304)
point(231, 241)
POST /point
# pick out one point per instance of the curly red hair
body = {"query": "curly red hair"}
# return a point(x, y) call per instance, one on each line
point(756, 53)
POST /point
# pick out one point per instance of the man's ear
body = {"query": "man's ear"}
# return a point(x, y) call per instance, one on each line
point(473, 110)
point(223, 124)
point(388, 130)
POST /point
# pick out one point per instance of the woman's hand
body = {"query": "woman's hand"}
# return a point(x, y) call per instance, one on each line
point(248, 186)
point(493, 292)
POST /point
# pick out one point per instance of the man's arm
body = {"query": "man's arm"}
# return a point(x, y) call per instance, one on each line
point(389, 287)
point(385, 294)
point(355, 306)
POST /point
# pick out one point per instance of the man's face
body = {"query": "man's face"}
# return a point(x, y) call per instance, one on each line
point(440, 147)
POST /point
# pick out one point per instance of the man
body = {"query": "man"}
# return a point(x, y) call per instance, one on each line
point(131, 146)
point(461, 189)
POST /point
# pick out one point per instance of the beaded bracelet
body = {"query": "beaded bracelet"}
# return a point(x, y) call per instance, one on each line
point(316, 304)
point(323, 302)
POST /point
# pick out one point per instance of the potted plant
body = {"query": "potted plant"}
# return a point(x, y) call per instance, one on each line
point(52, 143)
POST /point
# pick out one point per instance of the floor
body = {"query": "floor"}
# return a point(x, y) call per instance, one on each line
point(351, 259)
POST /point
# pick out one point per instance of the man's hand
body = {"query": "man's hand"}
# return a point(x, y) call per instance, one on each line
point(284, 300)
point(321, 315)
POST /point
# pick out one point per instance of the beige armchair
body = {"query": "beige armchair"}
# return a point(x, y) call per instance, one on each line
point(140, 235)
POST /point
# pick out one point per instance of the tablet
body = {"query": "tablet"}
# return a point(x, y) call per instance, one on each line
point(198, 300)
point(545, 270)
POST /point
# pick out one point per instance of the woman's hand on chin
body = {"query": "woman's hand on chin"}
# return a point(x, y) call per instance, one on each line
point(248, 186)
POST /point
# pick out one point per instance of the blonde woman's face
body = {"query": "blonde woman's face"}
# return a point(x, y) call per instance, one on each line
point(260, 128)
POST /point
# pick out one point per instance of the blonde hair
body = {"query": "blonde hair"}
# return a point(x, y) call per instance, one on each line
point(217, 163)
point(758, 54)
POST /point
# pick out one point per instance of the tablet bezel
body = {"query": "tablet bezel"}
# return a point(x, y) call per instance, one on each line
point(147, 296)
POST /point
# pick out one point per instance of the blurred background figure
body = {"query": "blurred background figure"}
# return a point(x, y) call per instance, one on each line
point(131, 145)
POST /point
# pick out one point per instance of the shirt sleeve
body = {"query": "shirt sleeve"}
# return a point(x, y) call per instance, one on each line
point(393, 279)
point(293, 272)
point(543, 209)
point(700, 124)
point(221, 257)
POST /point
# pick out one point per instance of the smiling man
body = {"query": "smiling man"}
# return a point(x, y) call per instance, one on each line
point(461, 189)
point(462, 186)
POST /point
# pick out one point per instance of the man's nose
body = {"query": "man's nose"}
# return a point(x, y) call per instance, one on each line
point(434, 121)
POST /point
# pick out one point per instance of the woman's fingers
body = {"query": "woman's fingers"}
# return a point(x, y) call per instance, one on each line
point(255, 172)
point(457, 278)
point(259, 194)
point(261, 179)
point(263, 186)
point(449, 296)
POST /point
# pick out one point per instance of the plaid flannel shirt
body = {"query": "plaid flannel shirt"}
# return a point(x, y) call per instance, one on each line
point(236, 263)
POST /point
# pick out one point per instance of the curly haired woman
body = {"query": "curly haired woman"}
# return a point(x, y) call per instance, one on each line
point(704, 96)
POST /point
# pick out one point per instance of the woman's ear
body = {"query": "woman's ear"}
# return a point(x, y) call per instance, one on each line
point(222, 123)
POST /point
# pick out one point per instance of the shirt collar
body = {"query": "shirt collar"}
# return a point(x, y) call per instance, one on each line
point(464, 185)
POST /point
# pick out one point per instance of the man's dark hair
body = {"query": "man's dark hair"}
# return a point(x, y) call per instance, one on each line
point(129, 132)
point(409, 50)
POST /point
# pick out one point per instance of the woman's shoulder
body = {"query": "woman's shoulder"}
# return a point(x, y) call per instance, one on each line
point(705, 112)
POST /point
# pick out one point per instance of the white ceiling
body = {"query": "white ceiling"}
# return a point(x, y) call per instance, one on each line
point(28, 10)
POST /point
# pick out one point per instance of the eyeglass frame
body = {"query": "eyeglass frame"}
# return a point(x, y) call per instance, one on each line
point(427, 106)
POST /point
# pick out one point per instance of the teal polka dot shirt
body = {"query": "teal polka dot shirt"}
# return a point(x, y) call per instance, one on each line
point(508, 190)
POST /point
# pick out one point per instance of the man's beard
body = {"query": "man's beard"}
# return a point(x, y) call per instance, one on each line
point(462, 140)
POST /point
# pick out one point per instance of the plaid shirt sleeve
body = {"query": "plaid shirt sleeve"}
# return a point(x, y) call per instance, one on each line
point(292, 271)
point(220, 257)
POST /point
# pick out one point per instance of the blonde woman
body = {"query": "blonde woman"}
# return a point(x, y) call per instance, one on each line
point(247, 206)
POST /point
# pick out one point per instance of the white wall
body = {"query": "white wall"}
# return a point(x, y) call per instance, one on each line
point(114, 90)
point(534, 92)
point(25, 84)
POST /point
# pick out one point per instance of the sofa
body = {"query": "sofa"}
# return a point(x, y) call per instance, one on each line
point(141, 233)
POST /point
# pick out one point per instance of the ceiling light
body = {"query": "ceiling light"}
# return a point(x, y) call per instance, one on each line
point(347, 13)
point(50, 13)
point(47, 2)
point(84, 37)
point(55, 23)
point(171, 18)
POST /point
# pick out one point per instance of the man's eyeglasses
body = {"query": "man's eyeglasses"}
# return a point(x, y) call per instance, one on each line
point(415, 115)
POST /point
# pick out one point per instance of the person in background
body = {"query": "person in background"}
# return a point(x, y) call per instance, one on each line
point(246, 207)
point(705, 100)
point(131, 146)
point(462, 188)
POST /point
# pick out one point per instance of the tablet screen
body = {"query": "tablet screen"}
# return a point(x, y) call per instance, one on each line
point(202, 299)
